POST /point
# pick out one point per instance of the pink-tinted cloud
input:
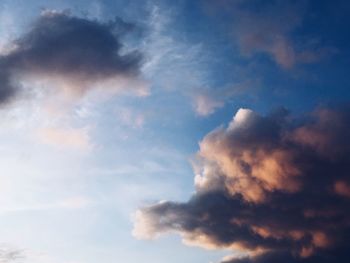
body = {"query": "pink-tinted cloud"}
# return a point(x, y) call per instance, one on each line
point(342, 188)
point(269, 186)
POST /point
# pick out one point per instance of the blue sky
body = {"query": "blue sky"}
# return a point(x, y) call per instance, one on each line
point(81, 153)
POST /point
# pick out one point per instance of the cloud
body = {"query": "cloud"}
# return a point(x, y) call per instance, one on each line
point(339, 255)
point(207, 101)
point(10, 255)
point(271, 186)
point(267, 31)
point(74, 51)
point(267, 27)
point(342, 188)
point(205, 105)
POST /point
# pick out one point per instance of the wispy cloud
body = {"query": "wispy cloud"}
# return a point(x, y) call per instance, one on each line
point(207, 101)
point(268, 27)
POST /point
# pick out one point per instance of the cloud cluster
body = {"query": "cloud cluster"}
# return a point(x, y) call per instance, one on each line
point(76, 51)
point(275, 187)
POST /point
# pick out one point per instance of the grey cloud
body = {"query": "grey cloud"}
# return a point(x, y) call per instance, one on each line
point(61, 45)
point(10, 255)
point(274, 186)
point(338, 255)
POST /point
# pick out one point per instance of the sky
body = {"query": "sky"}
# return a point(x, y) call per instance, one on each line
point(207, 131)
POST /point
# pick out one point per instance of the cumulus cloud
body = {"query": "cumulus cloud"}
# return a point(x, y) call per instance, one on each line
point(339, 255)
point(275, 187)
point(75, 51)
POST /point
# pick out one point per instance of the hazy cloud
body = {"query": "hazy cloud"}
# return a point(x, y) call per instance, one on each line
point(207, 100)
point(267, 27)
point(272, 186)
point(10, 255)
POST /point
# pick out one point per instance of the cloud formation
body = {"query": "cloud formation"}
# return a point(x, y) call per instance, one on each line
point(273, 186)
point(77, 51)
point(267, 27)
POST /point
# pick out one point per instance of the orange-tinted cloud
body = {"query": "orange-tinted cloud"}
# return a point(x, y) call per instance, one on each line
point(269, 186)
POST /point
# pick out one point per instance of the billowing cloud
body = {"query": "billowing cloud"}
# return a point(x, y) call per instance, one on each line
point(272, 186)
point(337, 255)
point(75, 51)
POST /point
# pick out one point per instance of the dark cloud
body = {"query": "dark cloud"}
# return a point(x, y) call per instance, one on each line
point(275, 187)
point(340, 255)
point(63, 46)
